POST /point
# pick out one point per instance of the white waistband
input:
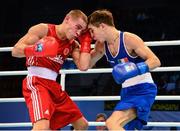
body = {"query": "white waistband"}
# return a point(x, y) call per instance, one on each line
point(42, 72)
point(144, 78)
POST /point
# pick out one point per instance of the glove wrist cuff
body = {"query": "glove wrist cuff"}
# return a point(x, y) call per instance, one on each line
point(28, 51)
point(143, 67)
point(85, 47)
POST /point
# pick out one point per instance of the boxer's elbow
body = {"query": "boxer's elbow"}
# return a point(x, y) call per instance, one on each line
point(84, 67)
point(155, 63)
point(14, 52)
point(84, 63)
point(158, 62)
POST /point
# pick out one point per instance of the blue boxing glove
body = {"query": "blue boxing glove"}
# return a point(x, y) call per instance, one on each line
point(124, 71)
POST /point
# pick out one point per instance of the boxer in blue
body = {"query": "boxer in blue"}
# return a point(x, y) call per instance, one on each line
point(131, 60)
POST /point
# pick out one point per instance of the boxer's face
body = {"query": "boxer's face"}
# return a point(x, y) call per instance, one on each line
point(75, 27)
point(97, 33)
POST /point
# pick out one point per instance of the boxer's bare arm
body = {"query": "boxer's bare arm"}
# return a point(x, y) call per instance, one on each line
point(97, 53)
point(33, 35)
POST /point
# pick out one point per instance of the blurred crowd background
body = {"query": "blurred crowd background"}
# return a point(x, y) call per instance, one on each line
point(152, 20)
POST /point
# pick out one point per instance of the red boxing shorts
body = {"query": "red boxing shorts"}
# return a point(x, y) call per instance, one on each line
point(46, 100)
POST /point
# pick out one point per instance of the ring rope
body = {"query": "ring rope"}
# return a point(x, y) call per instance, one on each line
point(109, 70)
point(150, 43)
point(92, 98)
point(75, 71)
point(93, 123)
point(102, 70)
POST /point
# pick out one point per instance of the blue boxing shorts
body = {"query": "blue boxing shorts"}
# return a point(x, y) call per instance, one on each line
point(140, 97)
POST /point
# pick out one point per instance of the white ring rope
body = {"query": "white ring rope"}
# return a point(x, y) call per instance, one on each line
point(75, 71)
point(157, 124)
point(95, 98)
point(5, 49)
point(150, 43)
point(163, 43)
point(92, 98)
point(109, 70)
point(102, 70)
point(12, 73)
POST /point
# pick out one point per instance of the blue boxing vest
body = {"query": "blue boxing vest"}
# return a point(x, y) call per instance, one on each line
point(123, 56)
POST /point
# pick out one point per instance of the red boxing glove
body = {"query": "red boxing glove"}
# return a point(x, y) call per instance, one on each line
point(85, 41)
point(47, 46)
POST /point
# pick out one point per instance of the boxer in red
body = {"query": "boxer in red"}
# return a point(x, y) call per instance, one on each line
point(45, 47)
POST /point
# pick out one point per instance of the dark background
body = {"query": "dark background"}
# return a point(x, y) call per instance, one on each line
point(152, 20)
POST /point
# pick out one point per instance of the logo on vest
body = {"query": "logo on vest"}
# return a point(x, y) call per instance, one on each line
point(46, 112)
point(66, 51)
point(57, 58)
